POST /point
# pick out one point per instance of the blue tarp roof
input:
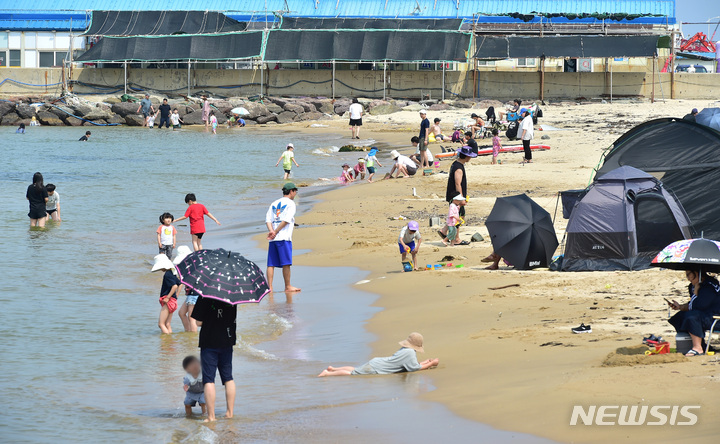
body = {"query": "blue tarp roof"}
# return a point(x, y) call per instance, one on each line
point(56, 14)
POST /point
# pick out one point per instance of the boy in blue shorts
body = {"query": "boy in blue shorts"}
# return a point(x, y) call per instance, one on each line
point(409, 241)
point(280, 222)
point(217, 339)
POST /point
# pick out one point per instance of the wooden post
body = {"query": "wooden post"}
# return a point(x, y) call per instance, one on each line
point(611, 79)
point(188, 79)
point(125, 76)
point(443, 81)
point(385, 80)
point(262, 78)
point(672, 66)
point(333, 79)
point(652, 94)
point(542, 79)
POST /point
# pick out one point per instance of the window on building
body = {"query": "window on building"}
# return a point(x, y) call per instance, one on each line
point(30, 41)
point(47, 59)
point(30, 59)
point(15, 40)
point(3, 40)
point(486, 62)
point(14, 57)
point(59, 57)
point(526, 62)
point(3, 58)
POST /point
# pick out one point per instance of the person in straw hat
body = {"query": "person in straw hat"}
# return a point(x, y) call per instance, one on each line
point(168, 291)
point(404, 360)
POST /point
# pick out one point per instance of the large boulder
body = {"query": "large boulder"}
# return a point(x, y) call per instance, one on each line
point(80, 110)
point(134, 120)
point(341, 109)
point(294, 108)
point(274, 107)
point(323, 105)
point(194, 118)
point(279, 101)
point(267, 119)
point(364, 102)
point(60, 111)
point(116, 119)
point(10, 119)
point(439, 107)
point(72, 121)
point(97, 114)
point(125, 109)
point(286, 117)
point(223, 106)
point(25, 111)
point(48, 118)
point(307, 106)
point(413, 107)
point(6, 107)
point(380, 110)
point(256, 110)
point(313, 115)
point(463, 104)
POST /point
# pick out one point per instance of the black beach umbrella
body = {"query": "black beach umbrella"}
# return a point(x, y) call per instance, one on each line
point(223, 275)
point(522, 232)
point(690, 254)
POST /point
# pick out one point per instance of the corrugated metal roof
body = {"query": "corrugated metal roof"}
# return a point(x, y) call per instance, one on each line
point(357, 8)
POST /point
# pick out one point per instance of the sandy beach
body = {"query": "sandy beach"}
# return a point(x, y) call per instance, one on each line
point(508, 357)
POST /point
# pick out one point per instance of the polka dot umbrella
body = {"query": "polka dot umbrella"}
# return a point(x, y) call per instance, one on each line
point(223, 275)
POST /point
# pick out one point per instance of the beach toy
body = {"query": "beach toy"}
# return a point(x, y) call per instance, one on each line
point(438, 266)
point(407, 266)
point(429, 266)
point(437, 164)
point(459, 266)
point(450, 265)
point(660, 349)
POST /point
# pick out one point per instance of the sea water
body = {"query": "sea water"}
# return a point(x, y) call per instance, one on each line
point(81, 357)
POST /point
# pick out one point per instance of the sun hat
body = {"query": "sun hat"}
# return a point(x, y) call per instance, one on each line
point(694, 111)
point(162, 262)
point(289, 186)
point(459, 197)
point(466, 151)
point(413, 225)
point(361, 160)
point(290, 145)
point(414, 341)
point(423, 112)
point(373, 151)
point(394, 154)
point(181, 253)
point(523, 111)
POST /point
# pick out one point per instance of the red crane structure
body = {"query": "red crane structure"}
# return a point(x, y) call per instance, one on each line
point(697, 43)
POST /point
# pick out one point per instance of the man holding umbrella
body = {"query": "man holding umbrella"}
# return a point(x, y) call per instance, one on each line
point(280, 221)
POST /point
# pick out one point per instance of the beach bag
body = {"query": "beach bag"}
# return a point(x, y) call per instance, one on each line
point(456, 136)
point(512, 130)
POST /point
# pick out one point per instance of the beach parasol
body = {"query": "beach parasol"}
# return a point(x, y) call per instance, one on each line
point(709, 117)
point(223, 275)
point(690, 254)
point(240, 111)
point(522, 232)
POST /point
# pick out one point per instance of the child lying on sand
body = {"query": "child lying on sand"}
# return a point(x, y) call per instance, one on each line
point(404, 360)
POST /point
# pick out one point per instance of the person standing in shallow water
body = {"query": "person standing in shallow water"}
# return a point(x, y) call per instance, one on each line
point(280, 222)
point(37, 196)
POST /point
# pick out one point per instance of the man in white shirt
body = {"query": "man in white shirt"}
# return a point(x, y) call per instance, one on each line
point(356, 112)
point(280, 222)
point(526, 131)
point(403, 165)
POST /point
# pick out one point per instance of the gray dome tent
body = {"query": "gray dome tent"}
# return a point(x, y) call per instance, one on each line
point(685, 156)
point(622, 222)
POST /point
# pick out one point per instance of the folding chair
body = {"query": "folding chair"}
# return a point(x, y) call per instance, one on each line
point(710, 333)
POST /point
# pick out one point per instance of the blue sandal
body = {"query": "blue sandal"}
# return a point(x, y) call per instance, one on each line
point(692, 353)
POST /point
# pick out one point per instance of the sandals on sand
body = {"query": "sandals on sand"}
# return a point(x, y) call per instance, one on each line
point(692, 353)
point(463, 243)
point(440, 233)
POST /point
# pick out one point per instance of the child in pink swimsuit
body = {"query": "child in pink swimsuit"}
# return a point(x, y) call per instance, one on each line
point(346, 176)
point(496, 145)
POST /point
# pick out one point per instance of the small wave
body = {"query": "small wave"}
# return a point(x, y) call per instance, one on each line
point(279, 321)
point(256, 352)
point(203, 434)
point(326, 151)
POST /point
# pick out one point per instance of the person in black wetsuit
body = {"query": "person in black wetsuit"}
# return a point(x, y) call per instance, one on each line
point(696, 316)
point(37, 196)
point(164, 114)
point(457, 180)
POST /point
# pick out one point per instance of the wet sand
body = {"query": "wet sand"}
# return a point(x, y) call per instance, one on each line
point(508, 357)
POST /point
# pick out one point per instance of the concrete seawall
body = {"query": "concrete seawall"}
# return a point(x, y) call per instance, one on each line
point(398, 84)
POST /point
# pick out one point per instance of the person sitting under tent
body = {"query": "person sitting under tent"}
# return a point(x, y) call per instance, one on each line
point(512, 109)
point(692, 115)
point(696, 316)
point(478, 126)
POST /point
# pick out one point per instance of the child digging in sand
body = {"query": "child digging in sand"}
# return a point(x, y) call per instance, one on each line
point(454, 221)
point(193, 385)
point(404, 360)
point(409, 241)
point(196, 213)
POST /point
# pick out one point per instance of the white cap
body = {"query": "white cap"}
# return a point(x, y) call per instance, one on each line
point(423, 111)
point(459, 197)
point(290, 145)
